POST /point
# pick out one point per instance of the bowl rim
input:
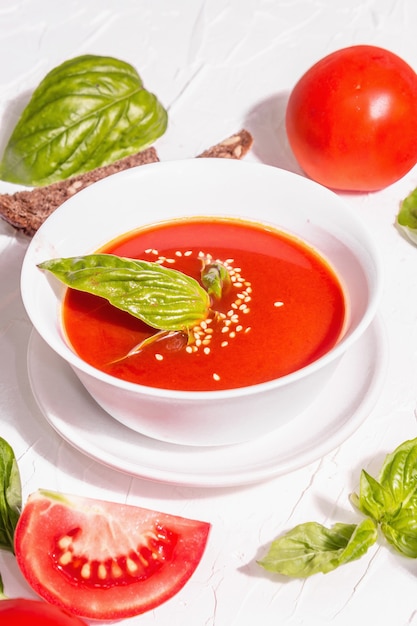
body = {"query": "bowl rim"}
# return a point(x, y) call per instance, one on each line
point(64, 350)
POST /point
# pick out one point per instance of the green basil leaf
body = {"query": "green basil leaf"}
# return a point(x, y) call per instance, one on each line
point(88, 112)
point(311, 548)
point(374, 499)
point(407, 216)
point(161, 297)
point(401, 531)
point(399, 475)
point(10, 496)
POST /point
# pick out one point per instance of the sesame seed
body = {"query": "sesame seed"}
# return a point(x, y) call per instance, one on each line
point(169, 260)
point(159, 357)
point(206, 350)
point(232, 334)
point(178, 253)
point(278, 304)
point(216, 376)
point(188, 253)
point(224, 344)
point(239, 328)
point(225, 329)
point(189, 349)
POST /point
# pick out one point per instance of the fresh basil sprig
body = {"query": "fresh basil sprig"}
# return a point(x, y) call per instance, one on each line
point(10, 496)
point(392, 500)
point(87, 112)
point(161, 297)
point(390, 504)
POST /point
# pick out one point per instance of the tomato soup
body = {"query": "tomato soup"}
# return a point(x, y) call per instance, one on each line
point(285, 308)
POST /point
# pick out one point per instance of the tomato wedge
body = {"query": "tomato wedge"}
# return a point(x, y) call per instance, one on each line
point(23, 612)
point(103, 560)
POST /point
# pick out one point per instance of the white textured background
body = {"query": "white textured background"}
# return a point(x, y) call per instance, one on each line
point(218, 65)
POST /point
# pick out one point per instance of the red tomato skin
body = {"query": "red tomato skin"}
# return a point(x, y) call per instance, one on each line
point(23, 612)
point(351, 119)
point(47, 517)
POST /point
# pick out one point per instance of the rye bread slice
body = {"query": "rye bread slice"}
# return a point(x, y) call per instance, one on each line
point(234, 147)
point(27, 210)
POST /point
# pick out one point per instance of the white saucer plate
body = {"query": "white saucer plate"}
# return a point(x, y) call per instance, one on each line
point(339, 410)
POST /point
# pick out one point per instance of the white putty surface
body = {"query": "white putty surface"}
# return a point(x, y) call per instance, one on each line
point(219, 65)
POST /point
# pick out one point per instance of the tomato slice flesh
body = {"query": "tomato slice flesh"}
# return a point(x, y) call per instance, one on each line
point(103, 560)
point(24, 612)
point(154, 550)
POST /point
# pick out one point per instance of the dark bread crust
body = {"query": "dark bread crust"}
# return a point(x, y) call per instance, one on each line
point(27, 210)
point(234, 147)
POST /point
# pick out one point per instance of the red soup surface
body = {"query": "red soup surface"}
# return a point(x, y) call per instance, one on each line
point(285, 309)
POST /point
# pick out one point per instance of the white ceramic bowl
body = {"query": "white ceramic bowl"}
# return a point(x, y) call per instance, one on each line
point(161, 191)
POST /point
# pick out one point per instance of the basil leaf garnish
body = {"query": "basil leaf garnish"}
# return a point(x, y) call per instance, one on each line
point(161, 297)
point(87, 112)
point(216, 279)
point(10, 496)
point(311, 548)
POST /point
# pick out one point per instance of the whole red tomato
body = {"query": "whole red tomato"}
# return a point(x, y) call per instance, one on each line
point(21, 612)
point(352, 119)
